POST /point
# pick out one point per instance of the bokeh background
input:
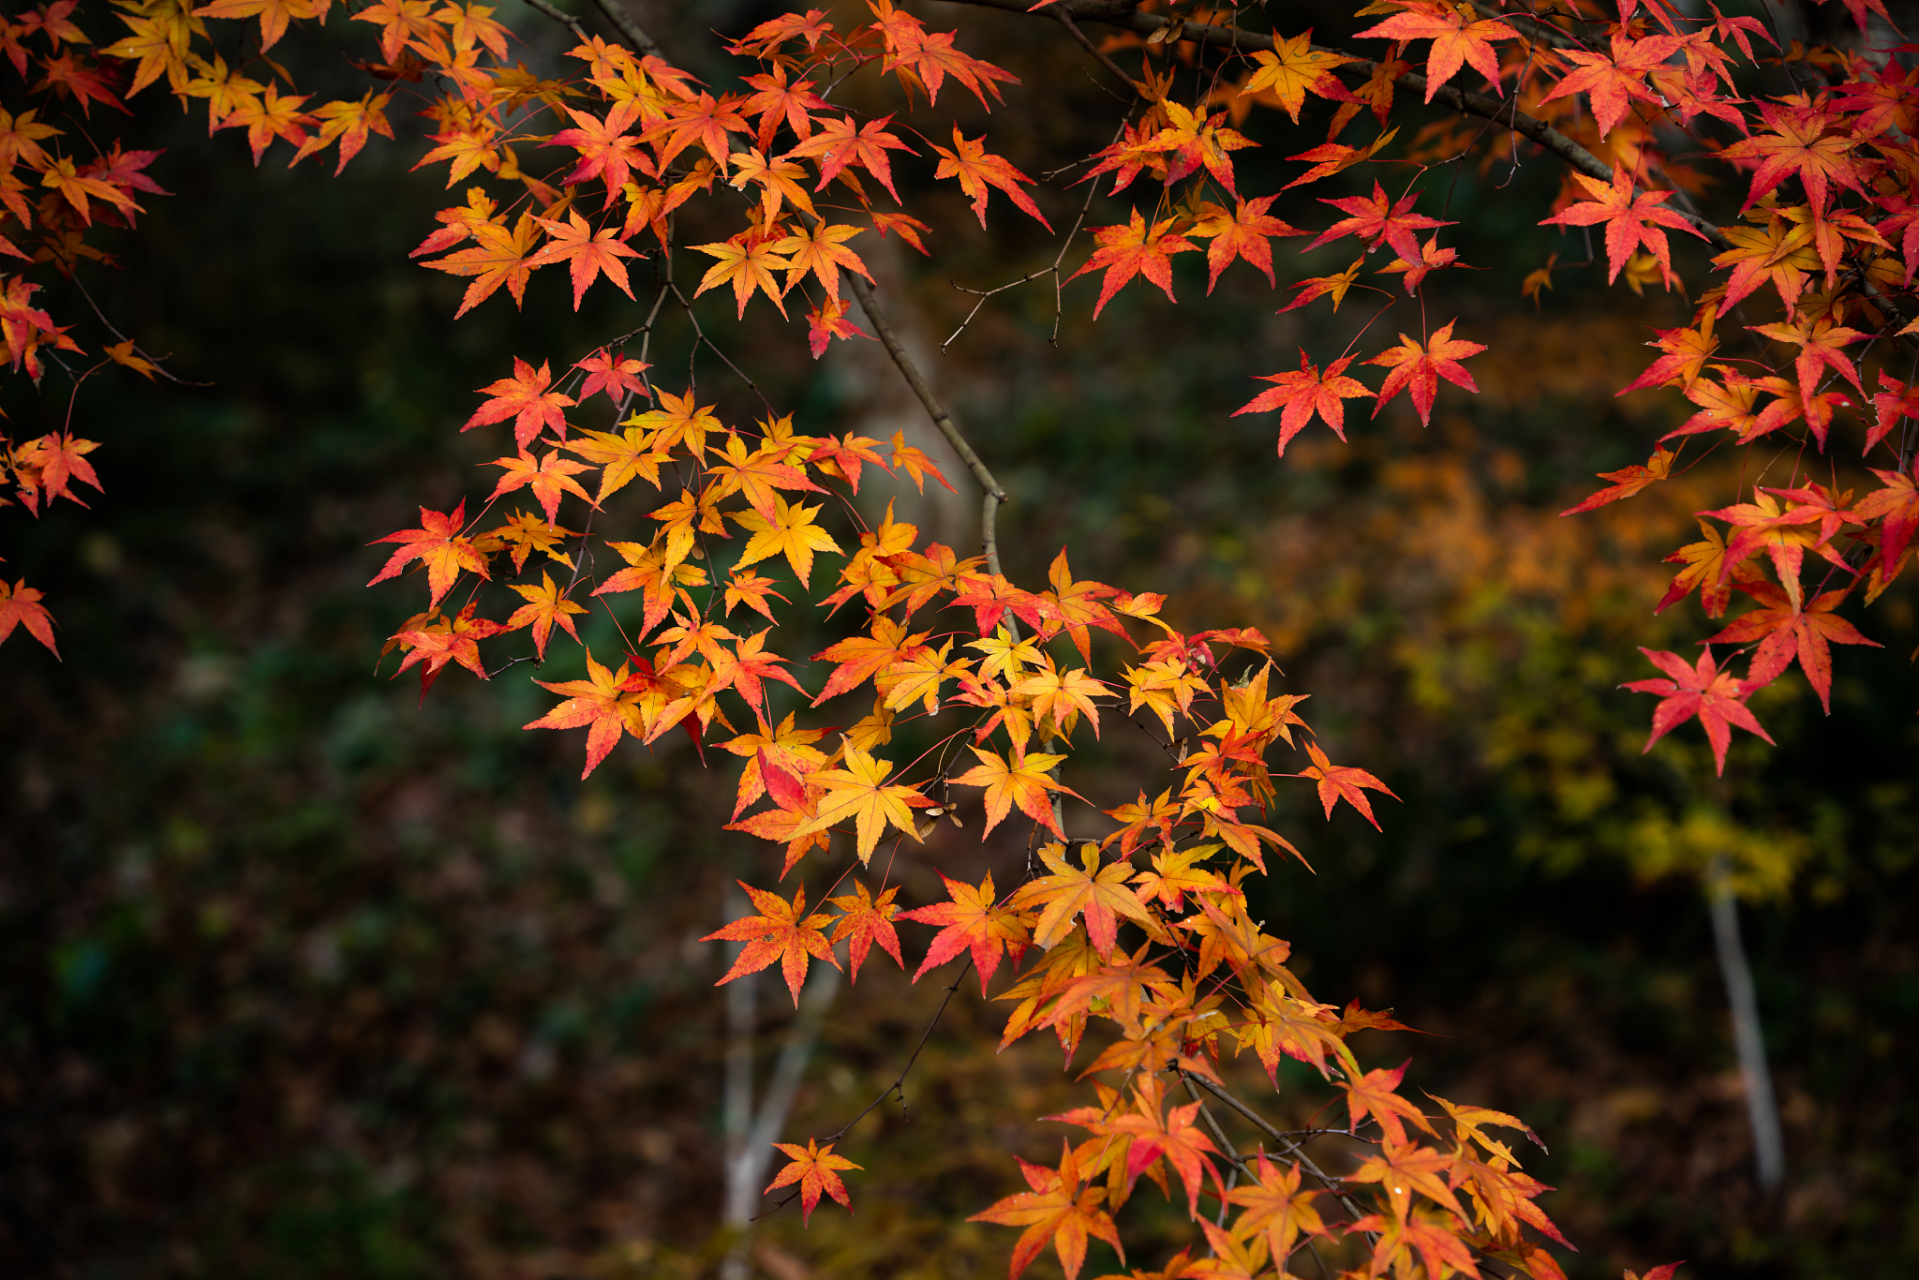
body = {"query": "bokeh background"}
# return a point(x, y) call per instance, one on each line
point(300, 979)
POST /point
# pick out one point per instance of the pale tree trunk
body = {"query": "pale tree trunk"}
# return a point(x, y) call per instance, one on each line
point(751, 1131)
point(1768, 1145)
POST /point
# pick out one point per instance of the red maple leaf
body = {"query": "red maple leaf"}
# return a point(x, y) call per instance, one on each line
point(1785, 632)
point(1717, 697)
point(972, 920)
point(1627, 482)
point(618, 376)
point(1611, 81)
point(1455, 41)
point(1808, 141)
point(1374, 219)
point(1243, 233)
point(1419, 368)
point(20, 606)
point(1632, 219)
point(1305, 392)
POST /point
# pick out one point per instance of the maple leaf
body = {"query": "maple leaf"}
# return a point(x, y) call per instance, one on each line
point(1022, 781)
point(1292, 68)
point(1628, 481)
point(979, 172)
point(860, 792)
point(525, 399)
point(860, 658)
point(840, 143)
point(438, 542)
point(747, 262)
point(1376, 219)
point(1785, 631)
point(606, 150)
point(588, 252)
point(745, 665)
point(1632, 219)
point(1275, 1206)
point(20, 607)
point(1898, 504)
point(1056, 1209)
point(1304, 393)
point(828, 322)
point(789, 530)
point(1377, 1094)
point(1806, 141)
point(1317, 287)
point(1419, 368)
point(1717, 697)
point(1818, 341)
point(1403, 1168)
point(545, 605)
point(603, 702)
point(1455, 41)
point(498, 257)
point(867, 920)
point(1612, 81)
point(757, 476)
point(1341, 782)
point(1686, 352)
point(1174, 1137)
point(781, 932)
point(549, 478)
point(274, 15)
point(50, 464)
point(678, 421)
point(817, 1170)
point(973, 921)
point(1098, 893)
point(705, 120)
point(1134, 249)
point(1243, 234)
point(617, 376)
point(447, 640)
point(822, 250)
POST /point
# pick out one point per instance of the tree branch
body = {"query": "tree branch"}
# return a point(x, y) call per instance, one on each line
point(1471, 104)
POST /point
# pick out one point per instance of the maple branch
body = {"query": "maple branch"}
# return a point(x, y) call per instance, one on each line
point(994, 494)
point(562, 17)
point(1066, 20)
point(616, 13)
point(1472, 104)
point(1277, 1135)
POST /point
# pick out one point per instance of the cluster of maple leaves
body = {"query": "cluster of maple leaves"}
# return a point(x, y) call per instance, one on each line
point(1144, 929)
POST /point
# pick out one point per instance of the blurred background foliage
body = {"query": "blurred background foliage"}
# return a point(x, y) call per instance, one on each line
point(303, 980)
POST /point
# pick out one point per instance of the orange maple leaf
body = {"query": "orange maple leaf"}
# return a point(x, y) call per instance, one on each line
point(1627, 482)
point(524, 398)
point(605, 702)
point(1275, 1205)
point(747, 262)
point(1377, 1094)
point(1419, 368)
point(545, 605)
point(588, 252)
point(817, 1170)
point(821, 249)
point(1135, 249)
point(840, 143)
point(1243, 233)
point(1291, 69)
point(1023, 782)
point(437, 541)
point(1301, 394)
point(1612, 81)
point(1340, 782)
point(860, 792)
point(978, 172)
point(548, 477)
point(867, 920)
point(782, 932)
point(1717, 697)
point(972, 920)
point(1098, 893)
point(1056, 1209)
